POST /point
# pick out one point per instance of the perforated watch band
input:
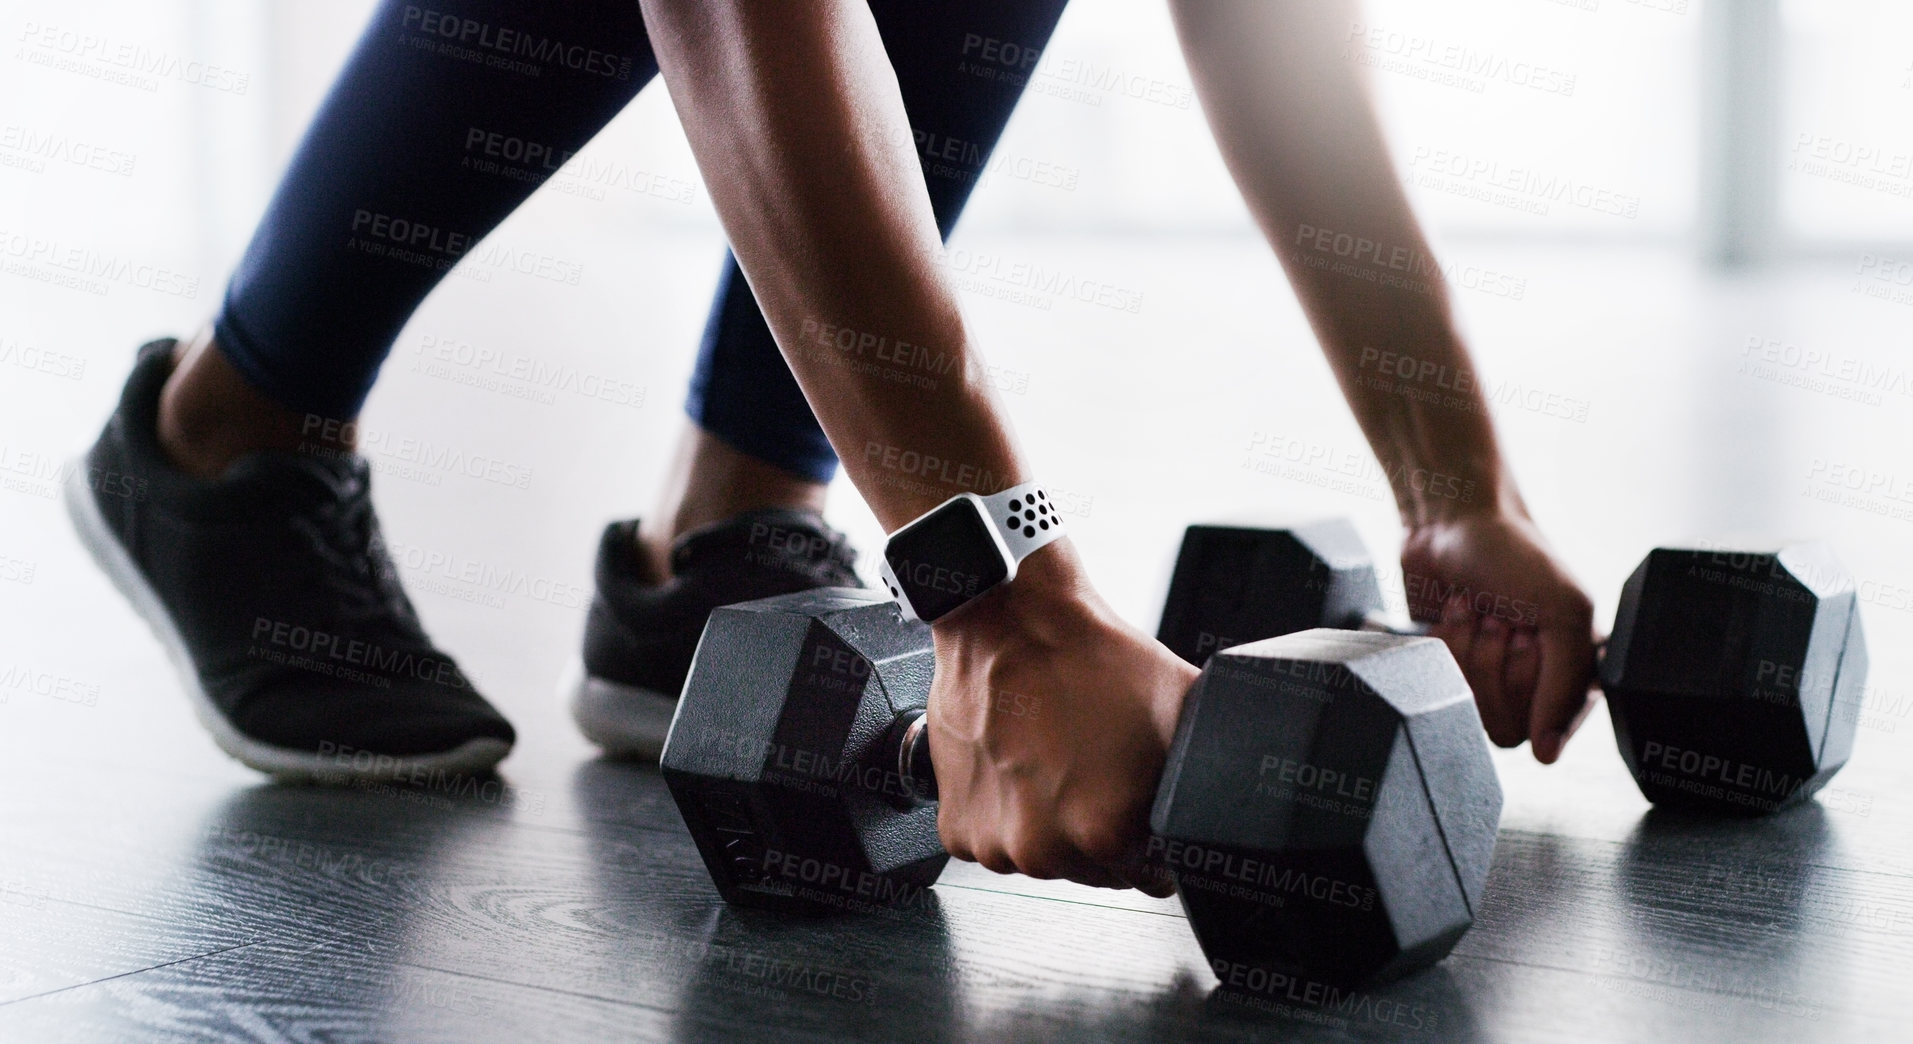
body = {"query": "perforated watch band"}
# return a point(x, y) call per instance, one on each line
point(1025, 517)
point(1021, 518)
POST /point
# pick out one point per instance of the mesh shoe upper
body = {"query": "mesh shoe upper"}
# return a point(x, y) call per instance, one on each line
point(643, 633)
point(277, 579)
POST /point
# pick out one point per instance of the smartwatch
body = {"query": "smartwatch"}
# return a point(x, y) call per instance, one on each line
point(957, 551)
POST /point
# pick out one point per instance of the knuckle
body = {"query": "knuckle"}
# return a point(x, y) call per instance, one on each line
point(1104, 840)
point(1038, 861)
point(996, 860)
point(955, 840)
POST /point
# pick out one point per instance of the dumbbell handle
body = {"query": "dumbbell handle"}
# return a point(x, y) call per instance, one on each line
point(906, 747)
point(1381, 623)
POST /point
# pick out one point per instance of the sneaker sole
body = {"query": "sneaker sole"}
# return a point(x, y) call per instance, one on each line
point(626, 721)
point(283, 763)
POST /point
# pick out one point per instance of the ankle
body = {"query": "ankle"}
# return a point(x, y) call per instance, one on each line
point(197, 441)
point(712, 482)
point(654, 550)
point(192, 450)
point(210, 417)
point(655, 539)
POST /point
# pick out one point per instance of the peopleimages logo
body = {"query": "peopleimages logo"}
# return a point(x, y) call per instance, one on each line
point(415, 235)
point(31, 149)
point(519, 376)
point(797, 768)
point(1714, 768)
point(848, 882)
point(18, 678)
point(509, 44)
point(1269, 880)
point(934, 577)
point(49, 260)
point(409, 458)
point(578, 174)
point(124, 62)
point(17, 570)
point(1518, 187)
point(40, 360)
point(323, 648)
point(1450, 63)
point(1311, 1001)
point(948, 472)
point(1290, 772)
point(976, 269)
point(898, 353)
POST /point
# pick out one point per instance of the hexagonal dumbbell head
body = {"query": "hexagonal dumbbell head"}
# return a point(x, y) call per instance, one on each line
point(1328, 810)
point(1235, 584)
point(1734, 677)
point(773, 757)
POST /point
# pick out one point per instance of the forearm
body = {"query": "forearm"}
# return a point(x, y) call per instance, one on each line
point(1298, 131)
point(794, 115)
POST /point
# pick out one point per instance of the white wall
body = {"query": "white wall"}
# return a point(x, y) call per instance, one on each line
point(1596, 94)
point(1112, 106)
point(1847, 120)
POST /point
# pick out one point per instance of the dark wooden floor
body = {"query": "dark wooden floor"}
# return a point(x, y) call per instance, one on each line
point(150, 890)
point(154, 906)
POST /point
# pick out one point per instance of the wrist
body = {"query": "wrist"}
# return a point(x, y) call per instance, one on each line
point(1429, 423)
point(1434, 529)
point(1435, 492)
point(1050, 590)
point(1460, 499)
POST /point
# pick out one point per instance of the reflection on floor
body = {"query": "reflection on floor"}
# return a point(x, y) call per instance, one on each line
point(152, 890)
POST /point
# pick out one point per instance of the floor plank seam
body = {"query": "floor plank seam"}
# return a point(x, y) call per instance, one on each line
point(1057, 899)
point(496, 981)
point(1583, 973)
point(1626, 844)
point(114, 910)
point(125, 974)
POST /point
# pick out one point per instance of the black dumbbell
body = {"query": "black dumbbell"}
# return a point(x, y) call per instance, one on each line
point(1235, 584)
point(1328, 808)
point(1733, 677)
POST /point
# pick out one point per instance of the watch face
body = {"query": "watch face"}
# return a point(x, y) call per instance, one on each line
point(946, 558)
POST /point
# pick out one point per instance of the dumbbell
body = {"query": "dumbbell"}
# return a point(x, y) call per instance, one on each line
point(1328, 808)
point(1733, 678)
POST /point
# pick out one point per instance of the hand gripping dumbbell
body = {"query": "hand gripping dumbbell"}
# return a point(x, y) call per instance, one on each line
point(1733, 678)
point(1328, 808)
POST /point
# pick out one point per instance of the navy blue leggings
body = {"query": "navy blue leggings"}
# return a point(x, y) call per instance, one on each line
point(450, 113)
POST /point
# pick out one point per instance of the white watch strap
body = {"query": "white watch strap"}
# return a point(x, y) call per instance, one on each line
point(1022, 515)
point(1025, 517)
point(889, 577)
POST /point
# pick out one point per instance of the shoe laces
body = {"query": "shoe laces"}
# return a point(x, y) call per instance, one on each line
point(343, 535)
point(836, 563)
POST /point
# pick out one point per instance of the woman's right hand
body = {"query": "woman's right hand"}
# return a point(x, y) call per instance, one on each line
point(1050, 720)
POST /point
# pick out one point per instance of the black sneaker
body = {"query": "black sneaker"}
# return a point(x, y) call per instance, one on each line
point(273, 593)
point(640, 634)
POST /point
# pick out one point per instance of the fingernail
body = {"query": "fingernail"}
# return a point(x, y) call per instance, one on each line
point(1522, 641)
